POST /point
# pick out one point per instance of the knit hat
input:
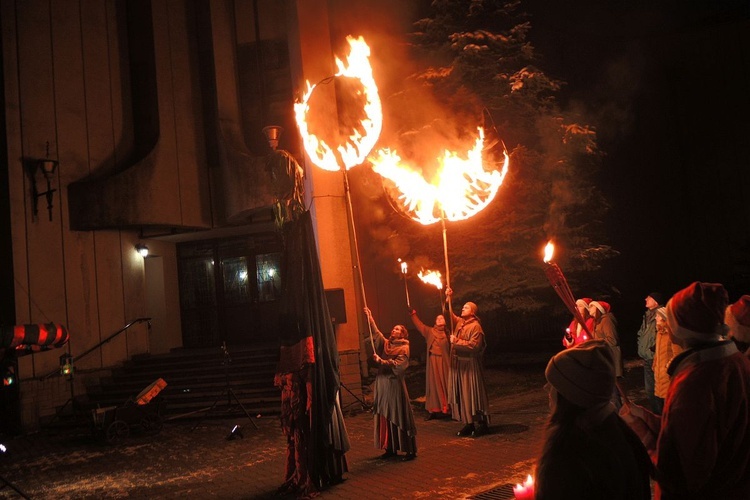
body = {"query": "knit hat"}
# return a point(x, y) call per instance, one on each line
point(737, 318)
point(584, 374)
point(601, 305)
point(658, 297)
point(584, 302)
point(697, 312)
point(662, 311)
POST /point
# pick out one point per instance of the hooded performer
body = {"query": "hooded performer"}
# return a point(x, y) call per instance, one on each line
point(395, 429)
point(437, 370)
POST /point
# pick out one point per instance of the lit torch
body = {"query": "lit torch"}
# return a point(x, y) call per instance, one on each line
point(354, 150)
point(560, 284)
point(460, 188)
point(433, 278)
point(406, 287)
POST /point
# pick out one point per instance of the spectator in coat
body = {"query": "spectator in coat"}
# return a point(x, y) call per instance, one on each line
point(737, 318)
point(395, 429)
point(437, 369)
point(647, 345)
point(589, 452)
point(605, 328)
point(703, 445)
point(665, 351)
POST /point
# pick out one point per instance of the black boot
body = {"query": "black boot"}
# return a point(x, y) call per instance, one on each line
point(480, 430)
point(466, 430)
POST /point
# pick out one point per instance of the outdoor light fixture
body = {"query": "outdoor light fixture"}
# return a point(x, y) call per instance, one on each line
point(66, 365)
point(47, 167)
point(235, 433)
point(272, 133)
point(142, 249)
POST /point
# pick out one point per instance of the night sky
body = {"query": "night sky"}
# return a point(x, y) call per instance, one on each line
point(667, 87)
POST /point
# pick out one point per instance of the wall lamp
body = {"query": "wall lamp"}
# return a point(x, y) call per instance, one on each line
point(273, 133)
point(142, 249)
point(47, 168)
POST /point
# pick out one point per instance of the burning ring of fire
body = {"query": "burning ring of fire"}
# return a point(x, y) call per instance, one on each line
point(461, 187)
point(359, 144)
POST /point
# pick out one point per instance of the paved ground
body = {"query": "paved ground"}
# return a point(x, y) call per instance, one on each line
point(180, 462)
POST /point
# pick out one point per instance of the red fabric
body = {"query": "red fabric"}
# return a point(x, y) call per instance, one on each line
point(700, 307)
point(703, 450)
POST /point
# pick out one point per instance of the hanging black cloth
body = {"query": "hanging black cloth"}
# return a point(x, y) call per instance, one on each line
point(306, 326)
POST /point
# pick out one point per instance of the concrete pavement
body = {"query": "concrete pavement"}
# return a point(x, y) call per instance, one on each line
point(180, 462)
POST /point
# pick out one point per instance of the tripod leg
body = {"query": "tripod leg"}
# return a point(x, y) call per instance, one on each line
point(231, 392)
point(13, 487)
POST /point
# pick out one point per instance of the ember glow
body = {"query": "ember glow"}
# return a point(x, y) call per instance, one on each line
point(432, 278)
point(460, 188)
point(363, 138)
point(549, 250)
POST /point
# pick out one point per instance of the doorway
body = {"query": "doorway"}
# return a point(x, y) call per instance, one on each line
point(230, 290)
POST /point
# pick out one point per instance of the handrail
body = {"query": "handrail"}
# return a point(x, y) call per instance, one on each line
point(100, 344)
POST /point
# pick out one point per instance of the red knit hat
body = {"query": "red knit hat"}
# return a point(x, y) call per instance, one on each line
point(737, 318)
point(697, 312)
point(601, 305)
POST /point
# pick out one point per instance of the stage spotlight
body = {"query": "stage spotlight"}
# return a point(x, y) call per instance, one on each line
point(235, 433)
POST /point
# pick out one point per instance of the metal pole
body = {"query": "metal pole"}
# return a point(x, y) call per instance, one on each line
point(350, 214)
point(447, 270)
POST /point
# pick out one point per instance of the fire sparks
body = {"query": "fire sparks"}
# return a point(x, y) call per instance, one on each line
point(549, 250)
point(461, 187)
point(432, 278)
point(365, 135)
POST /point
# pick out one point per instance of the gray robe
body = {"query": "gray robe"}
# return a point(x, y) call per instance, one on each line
point(437, 369)
point(469, 400)
point(394, 419)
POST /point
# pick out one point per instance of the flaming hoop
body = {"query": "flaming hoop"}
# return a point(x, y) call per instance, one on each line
point(560, 284)
point(360, 142)
point(460, 188)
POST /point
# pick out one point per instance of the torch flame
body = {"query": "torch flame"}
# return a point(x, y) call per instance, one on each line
point(403, 266)
point(432, 278)
point(548, 251)
point(461, 186)
point(362, 140)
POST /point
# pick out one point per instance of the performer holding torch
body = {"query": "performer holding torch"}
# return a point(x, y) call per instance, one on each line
point(468, 396)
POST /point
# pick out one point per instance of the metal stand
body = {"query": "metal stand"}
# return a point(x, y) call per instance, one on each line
point(365, 406)
point(228, 392)
point(5, 483)
point(74, 406)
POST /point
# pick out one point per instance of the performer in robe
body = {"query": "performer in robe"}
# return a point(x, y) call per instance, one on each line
point(395, 429)
point(469, 402)
point(437, 369)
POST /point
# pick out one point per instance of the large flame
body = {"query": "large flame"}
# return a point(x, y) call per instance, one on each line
point(363, 138)
point(461, 187)
point(432, 278)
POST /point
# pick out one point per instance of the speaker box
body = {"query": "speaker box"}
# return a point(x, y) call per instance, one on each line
point(336, 305)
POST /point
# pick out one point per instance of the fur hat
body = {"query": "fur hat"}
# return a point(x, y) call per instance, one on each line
point(658, 297)
point(697, 312)
point(737, 318)
point(604, 307)
point(584, 302)
point(584, 374)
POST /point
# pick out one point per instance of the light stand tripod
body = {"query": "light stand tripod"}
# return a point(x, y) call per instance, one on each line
point(228, 392)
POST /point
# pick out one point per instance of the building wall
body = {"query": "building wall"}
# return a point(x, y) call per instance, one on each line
point(68, 97)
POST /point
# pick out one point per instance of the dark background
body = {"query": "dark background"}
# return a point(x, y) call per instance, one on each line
point(666, 86)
